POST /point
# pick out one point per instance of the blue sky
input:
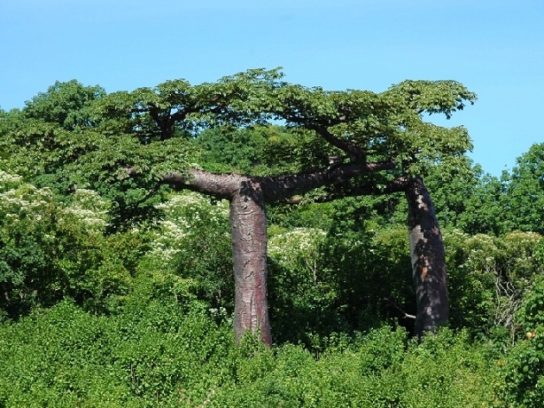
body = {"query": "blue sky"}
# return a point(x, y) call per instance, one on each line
point(496, 48)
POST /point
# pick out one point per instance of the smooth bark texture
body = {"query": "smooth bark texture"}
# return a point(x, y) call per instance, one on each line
point(249, 240)
point(428, 261)
point(217, 185)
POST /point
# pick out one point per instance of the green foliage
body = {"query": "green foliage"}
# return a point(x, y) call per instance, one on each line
point(453, 183)
point(191, 246)
point(386, 126)
point(320, 283)
point(119, 168)
point(154, 354)
point(50, 250)
point(65, 103)
point(384, 371)
point(487, 204)
point(157, 355)
point(488, 277)
point(525, 193)
point(259, 150)
point(77, 135)
point(524, 369)
point(485, 207)
point(307, 307)
point(444, 97)
point(116, 292)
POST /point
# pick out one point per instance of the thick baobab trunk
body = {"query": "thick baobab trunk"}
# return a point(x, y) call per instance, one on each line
point(428, 262)
point(247, 196)
point(249, 239)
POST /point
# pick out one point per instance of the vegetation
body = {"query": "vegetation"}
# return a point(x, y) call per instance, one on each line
point(117, 284)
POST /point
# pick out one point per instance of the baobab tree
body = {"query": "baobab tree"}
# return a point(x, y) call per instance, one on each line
point(368, 133)
point(142, 139)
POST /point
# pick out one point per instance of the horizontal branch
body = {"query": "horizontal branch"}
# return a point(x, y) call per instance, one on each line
point(341, 191)
point(217, 185)
point(274, 188)
point(279, 188)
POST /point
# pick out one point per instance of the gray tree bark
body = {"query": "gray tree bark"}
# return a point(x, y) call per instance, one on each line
point(428, 260)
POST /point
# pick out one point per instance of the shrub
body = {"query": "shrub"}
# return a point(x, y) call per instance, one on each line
point(162, 355)
point(50, 250)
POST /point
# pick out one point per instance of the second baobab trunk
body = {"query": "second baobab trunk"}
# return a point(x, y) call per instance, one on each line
point(428, 260)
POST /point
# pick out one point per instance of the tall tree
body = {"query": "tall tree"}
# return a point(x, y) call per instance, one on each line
point(64, 103)
point(248, 196)
point(363, 125)
point(525, 201)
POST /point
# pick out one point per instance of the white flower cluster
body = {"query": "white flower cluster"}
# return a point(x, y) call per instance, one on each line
point(181, 200)
point(184, 213)
point(7, 179)
point(20, 201)
point(89, 209)
point(297, 249)
point(180, 205)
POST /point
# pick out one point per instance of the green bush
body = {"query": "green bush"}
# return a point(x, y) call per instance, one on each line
point(190, 250)
point(68, 357)
point(524, 369)
point(488, 278)
point(384, 369)
point(161, 355)
point(50, 250)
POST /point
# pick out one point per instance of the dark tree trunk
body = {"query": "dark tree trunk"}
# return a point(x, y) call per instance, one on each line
point(249, 239)
point(428, 262)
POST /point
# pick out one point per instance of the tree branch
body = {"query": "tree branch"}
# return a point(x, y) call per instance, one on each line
point(217, 185)
point(396, 306)
point(280, 188)
point(355, 153)
point(340, 191)
point(274, 188)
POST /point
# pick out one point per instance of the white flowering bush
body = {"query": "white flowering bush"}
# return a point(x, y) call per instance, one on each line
point(21, 202)
point(8, 180)
point(184, 214)
point(87, 209)
point(27, 238)
point(190, 249)
point(488, 277)
point(49, 250)
point(298, 250)
point(302, 289)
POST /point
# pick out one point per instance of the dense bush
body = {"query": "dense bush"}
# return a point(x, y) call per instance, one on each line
point(489, 276)
point(156, 355)
point(50, 250)
point(192, 241)
point(524, 371)
point(166, 338)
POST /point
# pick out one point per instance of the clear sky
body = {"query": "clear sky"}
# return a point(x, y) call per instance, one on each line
point(495, 47)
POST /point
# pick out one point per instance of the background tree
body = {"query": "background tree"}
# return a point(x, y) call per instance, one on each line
point(65, 104)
